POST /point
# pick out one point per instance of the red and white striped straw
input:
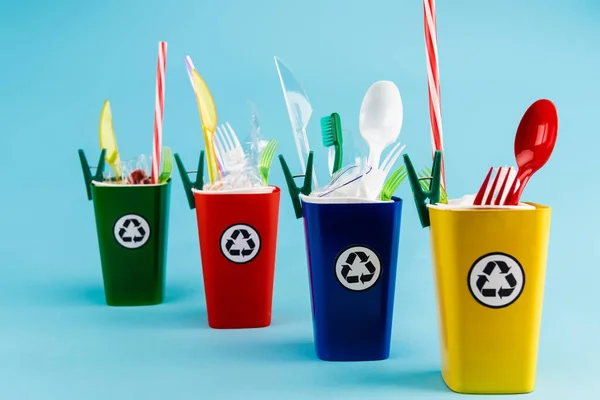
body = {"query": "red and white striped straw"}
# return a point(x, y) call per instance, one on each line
point(159, 106)
point(433, 83)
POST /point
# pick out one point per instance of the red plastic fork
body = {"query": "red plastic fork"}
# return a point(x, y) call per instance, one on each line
point(479, 198)
point(489, 199)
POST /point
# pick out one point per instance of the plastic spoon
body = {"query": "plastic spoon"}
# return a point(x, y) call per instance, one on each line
point(380, 118)
point(534, 143)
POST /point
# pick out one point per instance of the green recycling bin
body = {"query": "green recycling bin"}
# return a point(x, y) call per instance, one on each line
point(132, 226)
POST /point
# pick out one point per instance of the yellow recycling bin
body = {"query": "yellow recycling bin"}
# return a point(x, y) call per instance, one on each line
point(490, 267)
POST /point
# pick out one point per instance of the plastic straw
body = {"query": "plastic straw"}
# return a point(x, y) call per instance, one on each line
point(159, 105)
point(433, 83)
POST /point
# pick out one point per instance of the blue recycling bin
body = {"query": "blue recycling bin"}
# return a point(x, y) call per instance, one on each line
point(352, 251)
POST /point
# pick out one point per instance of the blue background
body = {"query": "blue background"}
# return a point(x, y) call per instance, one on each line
point(60, 60)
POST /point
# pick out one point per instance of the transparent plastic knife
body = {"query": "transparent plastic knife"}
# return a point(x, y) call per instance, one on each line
point(299, 110)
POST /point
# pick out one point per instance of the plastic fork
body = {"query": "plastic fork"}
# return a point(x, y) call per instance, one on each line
point(392, 183)
point(370, 187)
point(266, 158)
point(391, 158)
point(229, 147)
point(496, 192)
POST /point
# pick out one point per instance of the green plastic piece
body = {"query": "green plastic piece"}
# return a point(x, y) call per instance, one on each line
point(433, 194)
point(132, 225)
point(87, 174)
point(199, 183)
point(167, 165)
point(392, 183)
point(185, 179)
point(264, 164)
point(425, 177)
point(331, 132)
point(294, 190)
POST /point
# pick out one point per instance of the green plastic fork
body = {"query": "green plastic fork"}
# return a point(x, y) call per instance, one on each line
point(392, 183)
point(264, 165)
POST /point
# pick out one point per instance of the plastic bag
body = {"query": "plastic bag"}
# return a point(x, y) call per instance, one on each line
point(241, 176)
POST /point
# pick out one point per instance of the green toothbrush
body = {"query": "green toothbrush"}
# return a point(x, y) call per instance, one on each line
point(331, 132)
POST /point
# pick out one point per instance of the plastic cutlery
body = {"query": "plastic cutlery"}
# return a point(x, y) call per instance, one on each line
point(392, 183)
point(495, 192)
point(338, 179)
point(228, 148)
point(390, 160)
point(380, 118)
point(299, 110)
point(108, 141)
point(344, 182)
point(534, 143)
point(208, 115)
point(373, 181)
point(264, 166)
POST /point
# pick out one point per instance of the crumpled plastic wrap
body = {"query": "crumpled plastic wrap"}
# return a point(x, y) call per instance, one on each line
point(134, 172)
point(244, 176)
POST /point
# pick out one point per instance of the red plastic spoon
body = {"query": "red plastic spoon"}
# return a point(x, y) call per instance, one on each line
point(534, 143)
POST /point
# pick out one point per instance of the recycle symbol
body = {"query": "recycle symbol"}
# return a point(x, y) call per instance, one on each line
point(139, 233)
point(231, 242)
point(502, 291)
point(364, 259)
point(496, 280)
point(240, 243)
point(132, 231)
point(357, 268)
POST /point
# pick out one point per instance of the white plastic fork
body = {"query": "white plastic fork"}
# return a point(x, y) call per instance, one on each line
point(391, 158)
point(496, 191)
point(372, 182)
point(229, 150)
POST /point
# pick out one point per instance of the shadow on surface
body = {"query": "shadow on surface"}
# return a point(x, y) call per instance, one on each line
point(276, 351)
point(156, 317)
point(71, 294)
point(76, 294)
point(426, 380)
point(175, 293)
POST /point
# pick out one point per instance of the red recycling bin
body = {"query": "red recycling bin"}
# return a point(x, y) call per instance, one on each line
point(238, 240)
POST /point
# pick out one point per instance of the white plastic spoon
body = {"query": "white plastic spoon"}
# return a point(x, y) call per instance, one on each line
point(380, 118)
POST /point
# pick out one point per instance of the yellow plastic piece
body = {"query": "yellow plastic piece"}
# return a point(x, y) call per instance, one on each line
point(108, 141)
point(208, 115)
point(489, 350)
